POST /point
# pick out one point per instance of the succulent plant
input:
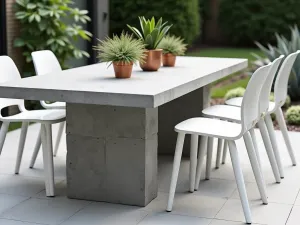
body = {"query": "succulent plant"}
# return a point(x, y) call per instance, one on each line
point(120, 49)
point(173, 45)
point(151, 32)
point(283, 47)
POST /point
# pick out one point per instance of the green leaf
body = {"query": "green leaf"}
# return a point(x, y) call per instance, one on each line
point(37, 18)
point(152, 23)
point(158, 25)
point(135, 31)
point(162, 34)
point(21, 3)
point(155, 35)
point(31, 18)
point(31, 6)
point(19, 42)
point(149, 42)
point(21, 15)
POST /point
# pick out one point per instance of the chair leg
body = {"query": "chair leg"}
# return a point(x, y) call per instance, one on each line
point(284, 131)
point(24, 129)
point(36, 149)
point(210, 146)
point(268, 146)
point(193, 161)
point(176, 166)
point(202, 151)
point(3, 132)
point(225, 150)
point(256, 168)
point(271, 132)
point(219, 152)
point(46, 136)
point(254, 141)
point(58, 138)
point(240, 180)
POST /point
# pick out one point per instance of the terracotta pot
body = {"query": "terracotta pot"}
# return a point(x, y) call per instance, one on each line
point(169, 60)
point(152, 60)
point(123, 70)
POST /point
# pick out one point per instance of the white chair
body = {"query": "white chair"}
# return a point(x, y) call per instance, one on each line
point(280, 94)
point(209, 128)
point(45, 117)
point(232, 113)
point(45, 62)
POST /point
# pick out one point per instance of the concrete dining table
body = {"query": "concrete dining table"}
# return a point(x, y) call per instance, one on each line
point(117, 127)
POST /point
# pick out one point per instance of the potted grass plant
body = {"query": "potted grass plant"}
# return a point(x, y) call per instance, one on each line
point(172, 46)
point(151, 34)
point(121, 51)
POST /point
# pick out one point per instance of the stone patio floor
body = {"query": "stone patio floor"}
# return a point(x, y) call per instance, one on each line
point(23, 201)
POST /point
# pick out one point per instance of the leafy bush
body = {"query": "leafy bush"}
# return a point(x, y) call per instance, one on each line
point(173, 45)
point(285, 47)
point(151, 33)
point(236, 92)
point(257, 20)
point(121, 49)
point(293, 115)
point(184, 15)
point(43, 27)
point(287, 102)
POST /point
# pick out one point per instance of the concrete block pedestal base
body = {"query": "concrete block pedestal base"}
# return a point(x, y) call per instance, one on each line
point(112, 154)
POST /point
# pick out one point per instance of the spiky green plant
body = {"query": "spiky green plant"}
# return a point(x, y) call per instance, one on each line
point(172, 44)
point(284, 47)
point(124, 49)
point(151, 32)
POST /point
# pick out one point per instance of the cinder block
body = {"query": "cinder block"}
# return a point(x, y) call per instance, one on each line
point(86, 175)
point(132, 170)
point(110, 121)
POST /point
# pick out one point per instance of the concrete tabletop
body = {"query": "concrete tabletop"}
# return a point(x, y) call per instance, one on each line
point(95, 84)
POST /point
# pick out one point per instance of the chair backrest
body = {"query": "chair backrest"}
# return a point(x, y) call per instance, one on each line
point(281, 83)
point(9, 72)
point(45, 62)
point(250, 105)
point(264, 98)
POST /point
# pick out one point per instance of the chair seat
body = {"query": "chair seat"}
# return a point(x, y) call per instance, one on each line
point(210, 127)
point(226, 112)
point(43, 116)
point(238, 102)
point(235, 101)
point(55, 105)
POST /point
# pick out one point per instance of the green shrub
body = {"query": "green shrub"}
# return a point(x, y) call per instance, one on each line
point(257, 20)
point(293, 115)
point(236, 92)
point(43, 26)
point(184, 15)
point(287, 101)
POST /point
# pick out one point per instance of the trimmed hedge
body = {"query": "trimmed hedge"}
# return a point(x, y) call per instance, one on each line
point(293, 115)
point(246, 21)
point(184, 15)
point(235, 92)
